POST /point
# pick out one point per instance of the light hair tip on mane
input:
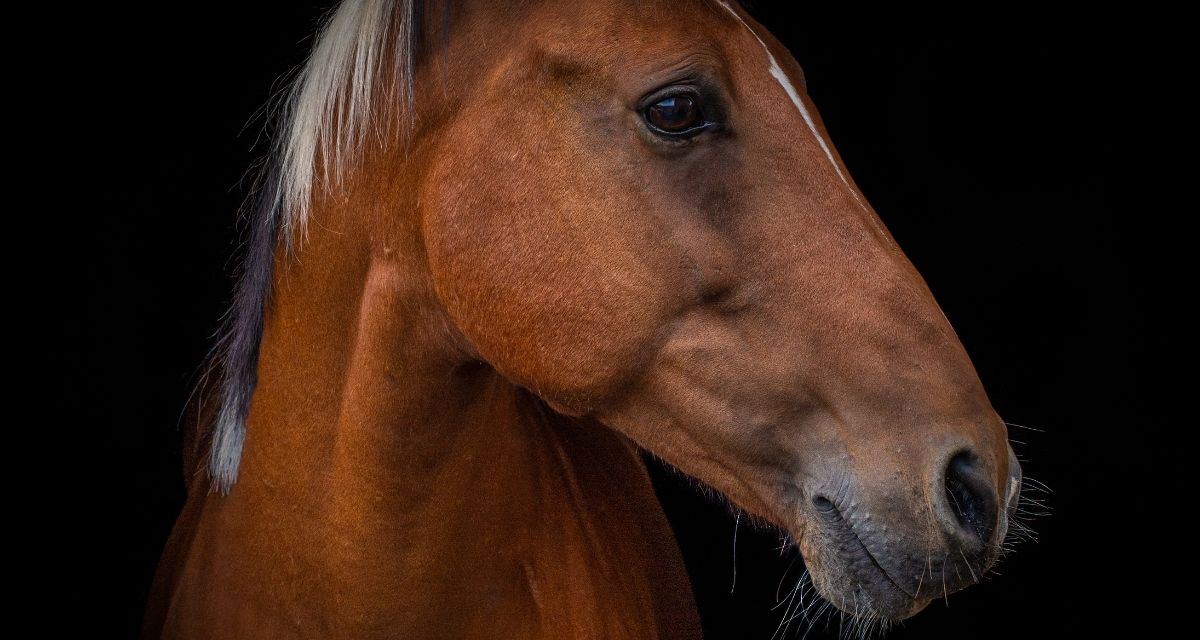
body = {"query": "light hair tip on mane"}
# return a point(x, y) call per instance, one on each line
point(365, 48)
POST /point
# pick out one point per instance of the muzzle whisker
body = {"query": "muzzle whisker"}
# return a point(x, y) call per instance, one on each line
point(785, 620)
point(736, 522)
point(945, 591)
point(1037, 484)
point(1021, 426)
point(969, 568)
point(921, 579)
point(778, 587)
point(813, 599)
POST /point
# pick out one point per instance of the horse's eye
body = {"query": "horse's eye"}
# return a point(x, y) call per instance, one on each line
point(675, 115)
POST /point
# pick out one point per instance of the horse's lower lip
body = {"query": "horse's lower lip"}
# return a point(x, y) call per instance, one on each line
point(885, 593)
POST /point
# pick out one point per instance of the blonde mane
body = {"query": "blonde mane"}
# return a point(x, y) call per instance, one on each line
point(364, 56)
point(366, 47)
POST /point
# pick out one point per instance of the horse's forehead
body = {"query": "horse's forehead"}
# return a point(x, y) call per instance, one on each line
point(777, 72)
point(614, 31)
point(614, 26)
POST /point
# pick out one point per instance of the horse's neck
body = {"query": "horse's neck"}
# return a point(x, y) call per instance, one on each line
point(386, 489)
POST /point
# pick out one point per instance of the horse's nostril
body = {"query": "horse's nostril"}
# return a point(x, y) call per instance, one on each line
point(970, 498)
point(823, 504)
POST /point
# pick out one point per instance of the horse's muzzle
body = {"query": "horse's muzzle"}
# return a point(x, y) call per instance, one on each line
point(886, 556)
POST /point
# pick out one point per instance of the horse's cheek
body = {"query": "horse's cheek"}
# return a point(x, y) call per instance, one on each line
point(552, 300)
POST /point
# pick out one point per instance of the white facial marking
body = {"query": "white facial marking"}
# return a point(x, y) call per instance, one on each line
point(777, 72)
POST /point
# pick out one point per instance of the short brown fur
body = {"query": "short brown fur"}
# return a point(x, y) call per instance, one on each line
point(482, 326)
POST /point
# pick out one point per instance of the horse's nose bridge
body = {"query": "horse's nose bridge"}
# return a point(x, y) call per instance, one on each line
point(865, 316)
point(861, 335)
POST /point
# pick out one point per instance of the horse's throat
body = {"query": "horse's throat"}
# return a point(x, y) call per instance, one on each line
point(389, 490)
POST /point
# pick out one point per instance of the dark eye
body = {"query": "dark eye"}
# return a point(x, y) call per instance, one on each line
point(675, 115)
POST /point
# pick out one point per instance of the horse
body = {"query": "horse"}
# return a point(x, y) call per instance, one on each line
point(500, 250)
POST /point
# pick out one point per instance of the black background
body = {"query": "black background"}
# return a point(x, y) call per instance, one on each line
point(999, 148)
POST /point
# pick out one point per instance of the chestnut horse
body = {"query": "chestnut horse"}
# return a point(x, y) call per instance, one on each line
point(504, 247)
